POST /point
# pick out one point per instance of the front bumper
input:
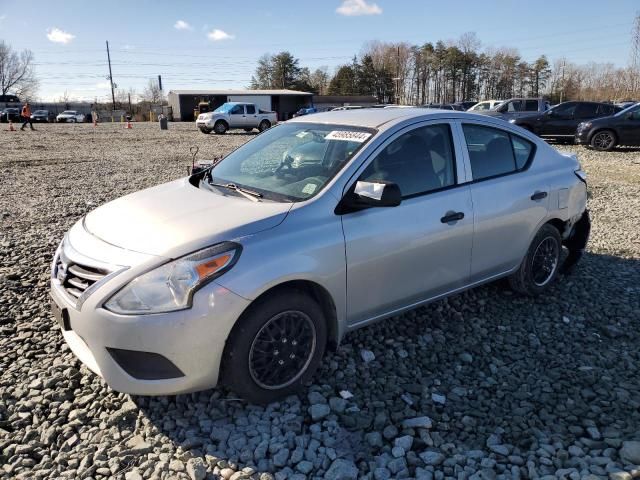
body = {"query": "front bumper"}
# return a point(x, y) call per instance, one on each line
point(191, 340)
point(582, 137)
point(203, 124)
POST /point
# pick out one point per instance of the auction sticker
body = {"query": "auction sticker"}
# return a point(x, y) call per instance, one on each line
point(349, 136)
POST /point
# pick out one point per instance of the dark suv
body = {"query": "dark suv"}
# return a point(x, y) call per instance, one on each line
point(623, 128)
point(560, 122)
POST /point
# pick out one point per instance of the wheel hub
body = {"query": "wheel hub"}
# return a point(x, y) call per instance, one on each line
point(282, 350)
point(545, 261)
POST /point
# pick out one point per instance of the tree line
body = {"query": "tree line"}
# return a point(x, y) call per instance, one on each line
point(445, 72)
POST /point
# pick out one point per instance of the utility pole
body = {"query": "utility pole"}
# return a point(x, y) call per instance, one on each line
point(130, 109)
point(634, 61)
point(398, 77)
point(564, 62)
point(113, 93)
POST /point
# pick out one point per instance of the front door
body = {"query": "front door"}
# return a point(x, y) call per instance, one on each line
point(560, 120)
point(237, 118)
point(399, 256)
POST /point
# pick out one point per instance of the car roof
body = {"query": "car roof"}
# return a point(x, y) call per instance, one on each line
point(378, 117)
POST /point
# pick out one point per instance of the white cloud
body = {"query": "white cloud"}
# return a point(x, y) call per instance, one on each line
point(2, 17)
point(59, 36)
point(352, 8)
point(216, 35)
point(182, 25)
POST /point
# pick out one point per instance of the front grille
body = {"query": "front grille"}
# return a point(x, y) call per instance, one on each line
point(76, 278)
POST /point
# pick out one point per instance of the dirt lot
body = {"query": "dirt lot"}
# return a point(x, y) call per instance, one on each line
point(501, 386)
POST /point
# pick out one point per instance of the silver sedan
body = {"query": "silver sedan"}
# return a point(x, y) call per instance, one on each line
point(244, 273)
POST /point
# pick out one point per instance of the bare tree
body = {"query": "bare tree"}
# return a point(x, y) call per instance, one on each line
point(152, 92)
point(16, 72)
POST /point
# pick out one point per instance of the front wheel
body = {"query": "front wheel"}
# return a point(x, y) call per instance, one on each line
point(248, 130)
point(206, 131)
point(73, 120)
point(604, 140)
point(264, 125)
point(220, 127)
point(275, 347)
point(540, 266)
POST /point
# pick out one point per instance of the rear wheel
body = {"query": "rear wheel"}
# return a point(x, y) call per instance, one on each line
point(604, 140)
point(264, 125)
point(540, 266)
point(220, 127)
point(275, 347)
point(248, 130)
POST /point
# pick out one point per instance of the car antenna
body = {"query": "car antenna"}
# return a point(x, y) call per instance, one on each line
point(194, 152)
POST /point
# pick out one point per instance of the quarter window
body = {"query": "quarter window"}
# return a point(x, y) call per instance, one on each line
point(494, 152)
point(419, 161)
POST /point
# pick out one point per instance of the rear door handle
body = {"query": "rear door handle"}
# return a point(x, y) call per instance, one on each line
point(539, 196)
point(452, 217)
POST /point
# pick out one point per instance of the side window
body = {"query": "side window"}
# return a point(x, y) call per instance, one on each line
point(523, 150)
point(237, 110)
point(514, 106)
point(587, 110)
point(531, 105)
point(565, 110)
point(251, 109)
point(490, 151)
point(419, 161)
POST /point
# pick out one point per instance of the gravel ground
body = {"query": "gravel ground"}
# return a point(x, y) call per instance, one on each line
point(483, 385)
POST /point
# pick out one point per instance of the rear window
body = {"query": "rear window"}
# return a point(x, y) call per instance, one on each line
point(494, 152)
point(531, 105)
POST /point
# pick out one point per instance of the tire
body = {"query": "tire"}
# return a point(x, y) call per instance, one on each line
point(603, 140)
point(73, 120)
point(264, 125)
point(255, 374)
point(540, 266)
point(248, 130)
point(206, 131)
point(220, 127)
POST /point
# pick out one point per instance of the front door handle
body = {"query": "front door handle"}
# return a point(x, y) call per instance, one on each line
point(539, 196)
point(452, 217)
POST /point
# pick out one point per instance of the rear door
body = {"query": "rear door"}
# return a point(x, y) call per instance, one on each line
point(400, 256)
point(508, 201)
point(629, 127)
point(251, 119)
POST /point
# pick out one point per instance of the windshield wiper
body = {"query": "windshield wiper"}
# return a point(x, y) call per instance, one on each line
point(245, 192)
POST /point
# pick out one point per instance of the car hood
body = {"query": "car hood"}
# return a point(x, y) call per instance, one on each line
point(177, 218)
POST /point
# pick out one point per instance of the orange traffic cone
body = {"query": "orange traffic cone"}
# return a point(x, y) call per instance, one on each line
point(11, 129)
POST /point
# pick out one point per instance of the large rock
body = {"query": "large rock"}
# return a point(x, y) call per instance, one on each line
point(342, 469)
point(630, 452)
point(196, 468)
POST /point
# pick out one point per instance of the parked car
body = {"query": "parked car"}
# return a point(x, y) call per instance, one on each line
point(441, 106)
point(347, 107)
point(305, 111)
point(605, 133)
point(235, 115)
point(484, 105)
point(625, 104)
point(42, 116)
point(560, 122)
point(238, 273)
point(464, 106)
point(70, 116)
point(10, 113)
point(517, 107)
point(9, 99)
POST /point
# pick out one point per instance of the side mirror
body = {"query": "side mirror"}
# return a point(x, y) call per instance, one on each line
point(378, 193)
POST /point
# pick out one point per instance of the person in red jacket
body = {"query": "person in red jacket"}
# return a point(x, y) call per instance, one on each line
point(26, 116)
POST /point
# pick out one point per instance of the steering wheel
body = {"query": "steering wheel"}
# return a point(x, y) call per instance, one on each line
point(285, 167)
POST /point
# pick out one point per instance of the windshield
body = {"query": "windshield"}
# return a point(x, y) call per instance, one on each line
point(40, 112)
point(68, 112)
point(632, 108)
point(292, 161)
point(224, 108)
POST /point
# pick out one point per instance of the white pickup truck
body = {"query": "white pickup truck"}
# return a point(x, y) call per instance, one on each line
point(235, 115)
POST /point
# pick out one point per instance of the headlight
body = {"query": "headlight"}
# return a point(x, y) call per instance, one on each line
point(512, 120)
point(584, 125)
point(171, 286)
